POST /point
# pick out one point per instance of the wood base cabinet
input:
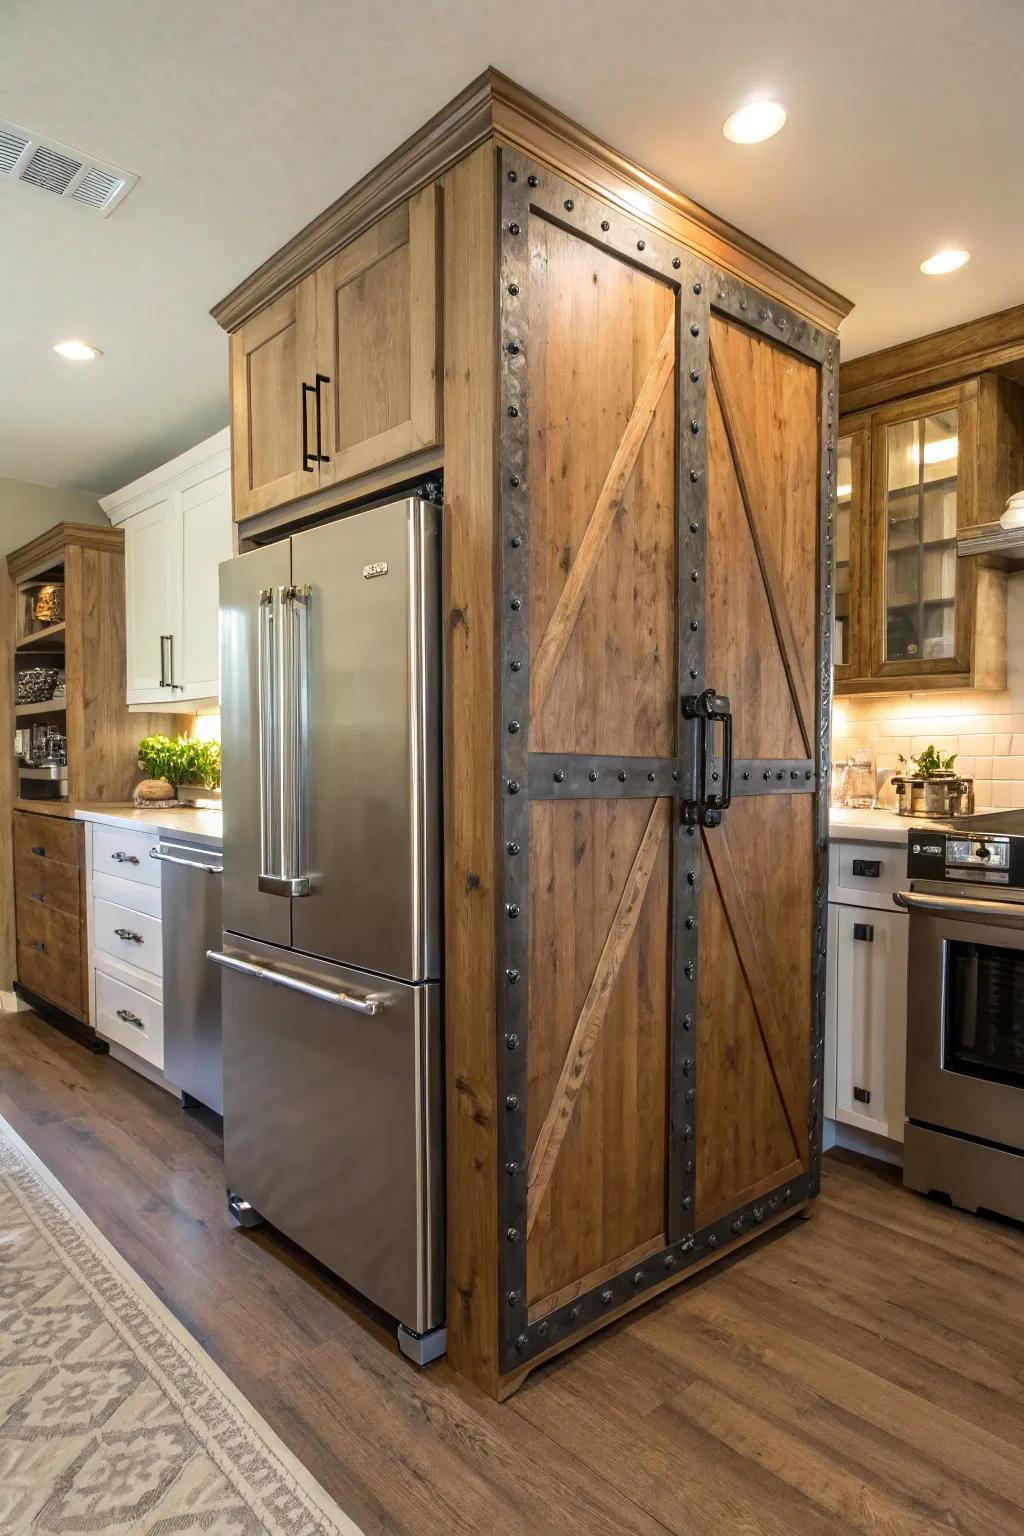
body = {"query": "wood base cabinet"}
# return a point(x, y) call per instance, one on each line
point(50, 905)
point(639, 457)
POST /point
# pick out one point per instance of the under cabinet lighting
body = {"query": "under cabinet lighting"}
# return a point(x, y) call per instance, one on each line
point(77, 351)
point(757, 121)
point(842, 491)
point(945, 261)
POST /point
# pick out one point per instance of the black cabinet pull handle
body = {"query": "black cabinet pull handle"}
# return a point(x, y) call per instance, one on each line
point(864, 932)
point(307, 457)
point(166, 642)
point(38, 944)
point(129, 936)
point(868, 869)
point(127, 1017)
point(39, 852)
point(124, 858)
point(862, 1095)
point(321, 457)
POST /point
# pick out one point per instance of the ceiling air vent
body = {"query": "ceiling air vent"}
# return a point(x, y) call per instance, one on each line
point(54, 167)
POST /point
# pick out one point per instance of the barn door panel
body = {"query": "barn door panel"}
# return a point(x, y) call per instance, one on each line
point(758, 891)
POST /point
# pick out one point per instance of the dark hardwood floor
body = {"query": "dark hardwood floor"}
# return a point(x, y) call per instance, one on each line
point(860, 1371)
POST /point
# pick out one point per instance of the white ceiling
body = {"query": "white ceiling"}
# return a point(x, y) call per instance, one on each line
point(245, 118)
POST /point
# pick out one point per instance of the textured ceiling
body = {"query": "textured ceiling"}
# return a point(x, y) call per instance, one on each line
point(245, 118)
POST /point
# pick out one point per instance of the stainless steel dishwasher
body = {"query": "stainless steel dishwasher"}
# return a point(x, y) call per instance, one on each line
point(190, 901)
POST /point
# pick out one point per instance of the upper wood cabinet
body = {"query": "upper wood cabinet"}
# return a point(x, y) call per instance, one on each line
point(177, 529)
point(341, 375)
point(910, 614)
point(274, 403)
point(378, 337)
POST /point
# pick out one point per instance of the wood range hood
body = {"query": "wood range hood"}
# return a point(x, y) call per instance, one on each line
point(634, 407)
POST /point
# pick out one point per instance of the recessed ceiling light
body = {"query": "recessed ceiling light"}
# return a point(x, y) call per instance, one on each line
point(945, 261)
point(756, 121)
point(77, 351)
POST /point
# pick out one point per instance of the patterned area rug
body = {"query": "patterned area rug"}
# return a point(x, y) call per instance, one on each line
point(112, 1419)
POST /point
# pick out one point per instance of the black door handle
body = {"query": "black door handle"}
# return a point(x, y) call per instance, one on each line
point(708, 709)
point(320, 456)
point(868, 869)
point(307, 389)
point(864, 932)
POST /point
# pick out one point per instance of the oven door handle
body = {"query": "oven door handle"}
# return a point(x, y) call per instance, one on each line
point(1009, 913)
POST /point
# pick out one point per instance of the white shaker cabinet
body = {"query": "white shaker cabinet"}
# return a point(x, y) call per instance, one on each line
point(178, 528)
point(866, 990)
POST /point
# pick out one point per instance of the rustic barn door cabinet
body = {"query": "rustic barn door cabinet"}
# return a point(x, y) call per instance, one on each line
point(639, 416)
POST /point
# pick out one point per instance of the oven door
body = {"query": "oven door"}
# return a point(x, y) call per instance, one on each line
point(965, 1012)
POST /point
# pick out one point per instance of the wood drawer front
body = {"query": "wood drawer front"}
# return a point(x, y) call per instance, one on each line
point(56, 934)
point(47, 837)
point(143, 949)
point(48, 883)
point(130, 1018)
point(866, 874)
point(55, 979)
point(124, 854)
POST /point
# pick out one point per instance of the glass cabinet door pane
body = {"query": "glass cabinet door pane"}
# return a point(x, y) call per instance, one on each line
point(920, 563)
point(844, 513)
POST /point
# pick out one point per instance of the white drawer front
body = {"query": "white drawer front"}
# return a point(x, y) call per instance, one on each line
point(130, 1018)
point(131, 936)
point(116, 851)
point(866, 874)
point(126, 893)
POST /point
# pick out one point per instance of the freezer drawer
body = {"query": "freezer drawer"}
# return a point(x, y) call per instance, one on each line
point(332, 1123)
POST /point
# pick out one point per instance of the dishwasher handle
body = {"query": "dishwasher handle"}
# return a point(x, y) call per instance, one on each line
point(170, 858)
point(365, 1005)
point(1009, 913)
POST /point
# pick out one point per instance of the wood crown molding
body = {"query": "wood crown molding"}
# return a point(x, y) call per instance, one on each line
point(50, 547)
point(944, 357)
point(494, 106)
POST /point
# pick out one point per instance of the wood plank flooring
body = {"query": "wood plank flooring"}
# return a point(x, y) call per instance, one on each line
point(862, 1371)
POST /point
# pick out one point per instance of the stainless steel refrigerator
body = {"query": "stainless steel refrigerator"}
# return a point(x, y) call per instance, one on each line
point(330, 714)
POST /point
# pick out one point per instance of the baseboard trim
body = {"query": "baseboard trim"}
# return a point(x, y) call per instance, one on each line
point(852, 1139)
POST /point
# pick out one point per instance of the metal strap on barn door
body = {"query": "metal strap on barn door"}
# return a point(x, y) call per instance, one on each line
point(528, 776)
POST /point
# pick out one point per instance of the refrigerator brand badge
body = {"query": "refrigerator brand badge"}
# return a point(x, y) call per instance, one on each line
point(375, 568)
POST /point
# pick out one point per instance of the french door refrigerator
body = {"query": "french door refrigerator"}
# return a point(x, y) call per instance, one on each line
point(330, 713)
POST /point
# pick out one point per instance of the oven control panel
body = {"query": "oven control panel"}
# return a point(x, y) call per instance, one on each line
point(993, 859)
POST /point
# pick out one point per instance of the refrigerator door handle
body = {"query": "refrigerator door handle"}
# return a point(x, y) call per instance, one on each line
point(267, 730)
point(286, 874)
point(369, 1006)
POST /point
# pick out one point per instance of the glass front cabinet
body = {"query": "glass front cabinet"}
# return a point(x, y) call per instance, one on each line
point(908, 613)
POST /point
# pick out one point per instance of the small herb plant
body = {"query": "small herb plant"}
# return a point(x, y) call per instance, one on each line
point(931, 762)
point(181, 761)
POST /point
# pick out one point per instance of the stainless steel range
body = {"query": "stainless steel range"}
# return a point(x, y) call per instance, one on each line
point(965, 1013)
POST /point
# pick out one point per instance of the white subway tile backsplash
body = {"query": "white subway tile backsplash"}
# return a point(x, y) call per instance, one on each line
point(1000, 745)
point(1002, 793)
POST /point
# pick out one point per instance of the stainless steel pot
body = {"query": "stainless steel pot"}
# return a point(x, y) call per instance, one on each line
point(940, 796)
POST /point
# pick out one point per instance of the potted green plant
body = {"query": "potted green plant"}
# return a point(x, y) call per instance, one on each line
point(932, 788)
point(181, 762)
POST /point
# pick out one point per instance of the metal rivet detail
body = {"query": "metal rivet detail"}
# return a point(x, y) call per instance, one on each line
point(512, 910)
point(766, 775)
point(513, 229)
point(531, 181)
point(559, 775)
point(513, 410)
point(516, 604)
point(512, 849)
point(694, 476)
point(669, 1260)
point(695, 427)
point(780, 775)
point(513, 975)
point(793, 773)
point(688, 1167)
point(687, 1202)
point(513, 175)
point(650, 778)
point(694, 576)
point(606, 1296)
point(676, 262)
point(521, 1342)
point(694, 626)
point(687, 1132)
point(511, 1041)
point(622, 775)
point(694, 375)
point(693, 674)
point(694, 330)
point(687, 1020)
point(763, 313)
point(576, 1312)
point(638, 1278)
point(569, 205)
point(511, 1169)
point(515, 666)
point(513, 347)
point(513, 1298)
point(696, 289)
point(605, 225)
point(513, 289)
point(694, 527)
point(675, 775)
point(689, 922)
point(511, 1102)
point(513, 727)
point(691, 878)
point(737, 1225)
point(689, 970)
point(592, 775)
point(513, 786)
point(746, 773)
point(713, 1240)
point(640, 244)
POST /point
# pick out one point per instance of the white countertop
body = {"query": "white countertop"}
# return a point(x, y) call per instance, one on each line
point(875, 826)
point(200, 826)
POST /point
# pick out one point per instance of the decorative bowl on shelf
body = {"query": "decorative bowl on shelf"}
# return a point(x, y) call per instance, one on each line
point(35, 685)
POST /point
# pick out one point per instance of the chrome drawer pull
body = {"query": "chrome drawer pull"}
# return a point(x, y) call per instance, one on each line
point(367, 1005)
point(124, 858)
point(129, 936)
point(127, 1017)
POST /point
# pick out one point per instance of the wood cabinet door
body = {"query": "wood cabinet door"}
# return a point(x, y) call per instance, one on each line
point(379, 326)
point(851, 637)
point(762, 876)
point(152, 561)
point(273, 416)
